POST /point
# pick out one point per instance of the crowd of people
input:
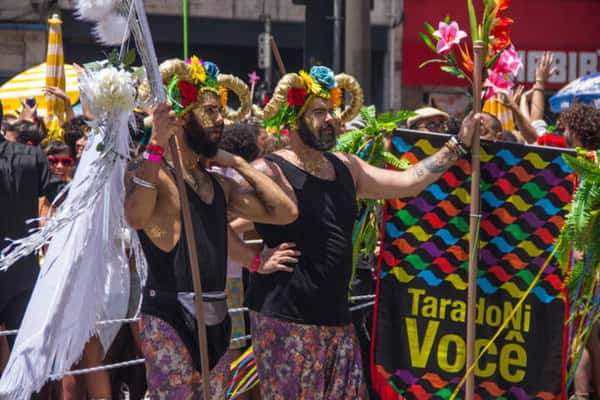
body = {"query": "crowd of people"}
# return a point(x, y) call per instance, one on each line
point(244, 183)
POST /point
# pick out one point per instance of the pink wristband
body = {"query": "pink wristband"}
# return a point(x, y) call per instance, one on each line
point(255, 263)
point(155, 158)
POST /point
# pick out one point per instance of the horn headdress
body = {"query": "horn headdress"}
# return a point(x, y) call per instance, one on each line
point(294, 91)
point(186, 81)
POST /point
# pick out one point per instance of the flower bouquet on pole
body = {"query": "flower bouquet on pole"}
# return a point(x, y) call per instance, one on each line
point(501, 61)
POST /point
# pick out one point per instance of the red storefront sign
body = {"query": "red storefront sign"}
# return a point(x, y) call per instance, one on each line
point(571, 29)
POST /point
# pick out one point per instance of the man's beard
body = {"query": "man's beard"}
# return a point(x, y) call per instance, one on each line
point(324, 139)
point(198, 138)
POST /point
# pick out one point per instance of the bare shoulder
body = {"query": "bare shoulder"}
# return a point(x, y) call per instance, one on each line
point(267, 167)
point(350, 161)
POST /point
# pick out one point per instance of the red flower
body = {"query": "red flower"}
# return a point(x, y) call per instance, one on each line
point(550, 139)
point(265, 100)
point(296, 97)
point(502, 4)
point(189, 93)
point(500, 38)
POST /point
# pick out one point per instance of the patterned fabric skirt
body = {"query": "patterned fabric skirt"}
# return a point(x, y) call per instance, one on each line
point(297, 361)
point(170, 373)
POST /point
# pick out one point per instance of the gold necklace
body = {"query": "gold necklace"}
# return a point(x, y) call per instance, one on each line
point(312, 167)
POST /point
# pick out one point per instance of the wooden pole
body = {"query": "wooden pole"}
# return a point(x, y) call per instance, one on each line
point(194, 264)
point(277, 56)
point(474, 220)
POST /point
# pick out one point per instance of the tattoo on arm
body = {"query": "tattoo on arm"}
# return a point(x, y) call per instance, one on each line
point(436, 164)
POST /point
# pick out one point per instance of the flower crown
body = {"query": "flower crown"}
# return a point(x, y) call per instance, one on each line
point(184, 95)
point(294, 92)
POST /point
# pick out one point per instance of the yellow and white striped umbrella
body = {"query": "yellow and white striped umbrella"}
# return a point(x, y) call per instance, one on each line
point(503, 113)
point(30, 83)
point(55, 68)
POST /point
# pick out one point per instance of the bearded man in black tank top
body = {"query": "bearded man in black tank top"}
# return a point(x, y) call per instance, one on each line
point(152, 206)
point(303, 338)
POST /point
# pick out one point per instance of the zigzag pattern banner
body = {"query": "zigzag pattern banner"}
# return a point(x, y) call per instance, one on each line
point(419, 332)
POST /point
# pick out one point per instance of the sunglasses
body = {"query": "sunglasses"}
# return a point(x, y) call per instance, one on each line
point(65, 161)
point(434, 126)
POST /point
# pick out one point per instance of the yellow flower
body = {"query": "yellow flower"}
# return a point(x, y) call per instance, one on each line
point(224, 98)
point(336, 97)
point(197, 70)
point(311, 85)
point(55, 132)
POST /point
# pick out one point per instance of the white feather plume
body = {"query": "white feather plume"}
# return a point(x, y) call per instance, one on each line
point(85, 276)
point(95, 10)
point(112, 29)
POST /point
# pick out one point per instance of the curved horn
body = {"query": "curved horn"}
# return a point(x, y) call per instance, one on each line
point(280, 93)
point(237, 86)
point(350, 84)
point(168, 69)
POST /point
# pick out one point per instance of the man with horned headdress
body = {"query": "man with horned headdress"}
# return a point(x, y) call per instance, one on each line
point(304, 341)
point(198, 96)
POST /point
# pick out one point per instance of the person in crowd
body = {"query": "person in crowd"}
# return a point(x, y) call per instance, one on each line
point(60, 160)
point(24, 177)
point(76, 131)
point(152, 206)
point(25, 132)
point(429, 119)
point(304, 342)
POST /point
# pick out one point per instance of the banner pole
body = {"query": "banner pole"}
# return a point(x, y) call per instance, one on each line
point(185, 29)
point(474, 220)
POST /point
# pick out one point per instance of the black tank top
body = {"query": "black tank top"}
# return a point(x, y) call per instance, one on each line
point(316, 292)
point(170, 271)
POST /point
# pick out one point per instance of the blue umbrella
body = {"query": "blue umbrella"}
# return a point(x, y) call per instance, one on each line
point(586, 90)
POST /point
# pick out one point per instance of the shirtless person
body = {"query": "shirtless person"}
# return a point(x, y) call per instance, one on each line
point(152, 206)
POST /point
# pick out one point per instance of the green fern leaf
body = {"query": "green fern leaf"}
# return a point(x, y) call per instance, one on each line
point(394, 161)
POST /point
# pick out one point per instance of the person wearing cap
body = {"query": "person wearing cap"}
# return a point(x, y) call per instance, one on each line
point(429, 119)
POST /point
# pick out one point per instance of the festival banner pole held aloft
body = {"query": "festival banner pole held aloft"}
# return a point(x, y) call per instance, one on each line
point(474, 220)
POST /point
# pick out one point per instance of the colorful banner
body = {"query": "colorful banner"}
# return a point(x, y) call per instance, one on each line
point(420, 332)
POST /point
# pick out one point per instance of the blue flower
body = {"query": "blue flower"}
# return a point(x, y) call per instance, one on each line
point(324, 76)
point(211, 69)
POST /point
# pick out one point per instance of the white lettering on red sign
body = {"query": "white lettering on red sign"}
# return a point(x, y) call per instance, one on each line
point(569, 65)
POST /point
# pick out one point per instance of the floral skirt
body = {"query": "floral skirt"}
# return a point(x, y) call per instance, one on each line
point(297, 361)
point(170, 373)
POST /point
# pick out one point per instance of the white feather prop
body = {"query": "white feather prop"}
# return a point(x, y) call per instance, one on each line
point(84, 277)
point(111, 30)
point(95, 10)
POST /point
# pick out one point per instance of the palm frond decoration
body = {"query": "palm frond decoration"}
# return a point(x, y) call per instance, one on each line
point(369, 144)
point(579, 240)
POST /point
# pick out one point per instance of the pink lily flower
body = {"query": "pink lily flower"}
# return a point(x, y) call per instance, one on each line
point(496, 82)
point(448, 35)
point(509, 62)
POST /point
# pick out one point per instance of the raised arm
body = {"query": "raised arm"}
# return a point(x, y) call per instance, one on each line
point(544, 69)
point(521, 120)
point(142, 176)
point(377, 183)
point(261, 200)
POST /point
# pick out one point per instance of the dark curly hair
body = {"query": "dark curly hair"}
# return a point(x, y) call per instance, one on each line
point(240, 139)
point(583, 122)
point(75, 129)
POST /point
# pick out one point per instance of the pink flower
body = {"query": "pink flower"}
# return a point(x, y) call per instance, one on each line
point(448, 35)
point(509, 62)
point(496, 82)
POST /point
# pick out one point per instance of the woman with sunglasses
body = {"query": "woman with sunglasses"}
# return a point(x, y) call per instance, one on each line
point(60, 160)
